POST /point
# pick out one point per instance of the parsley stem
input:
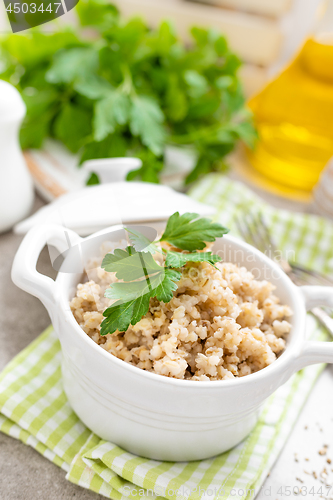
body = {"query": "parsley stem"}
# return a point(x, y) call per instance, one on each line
point(127, 86)
point(145, 271)
point(191, 137)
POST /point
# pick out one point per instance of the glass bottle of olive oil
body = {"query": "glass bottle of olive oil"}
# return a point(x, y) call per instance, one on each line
point(294, 117)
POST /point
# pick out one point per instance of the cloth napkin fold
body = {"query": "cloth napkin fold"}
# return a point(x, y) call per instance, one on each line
point(34, 408)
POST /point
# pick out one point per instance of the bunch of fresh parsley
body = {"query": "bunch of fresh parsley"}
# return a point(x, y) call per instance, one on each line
point(115, 88)
point(143, 278)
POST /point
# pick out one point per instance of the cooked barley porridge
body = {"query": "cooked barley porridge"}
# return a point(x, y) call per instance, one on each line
point(221, 323)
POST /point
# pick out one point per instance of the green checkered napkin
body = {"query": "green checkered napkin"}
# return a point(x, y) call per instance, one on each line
point(34, 408)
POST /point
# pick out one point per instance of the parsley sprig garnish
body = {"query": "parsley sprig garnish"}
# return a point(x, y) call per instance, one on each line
point(143, 278)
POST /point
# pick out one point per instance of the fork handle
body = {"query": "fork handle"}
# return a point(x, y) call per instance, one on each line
point(314, 352)
point(319, 295)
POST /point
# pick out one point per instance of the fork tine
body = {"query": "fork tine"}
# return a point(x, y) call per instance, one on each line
point(266, 230)
point(299, 281)
point(304, 279)
point(298, 268)
point(242, 229)
point(263, 235)
point(244, 226)
point(251, 224)
point(316, 276)
point(259, 234)
point(254, 229)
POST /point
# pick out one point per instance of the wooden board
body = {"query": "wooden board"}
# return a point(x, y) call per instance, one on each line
point(255, 39)
point(274, 8)
point(54, 170)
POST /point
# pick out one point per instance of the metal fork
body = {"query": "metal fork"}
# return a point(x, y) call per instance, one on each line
point(254, 230)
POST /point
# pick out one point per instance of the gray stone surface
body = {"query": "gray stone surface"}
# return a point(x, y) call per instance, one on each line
point(26, 475)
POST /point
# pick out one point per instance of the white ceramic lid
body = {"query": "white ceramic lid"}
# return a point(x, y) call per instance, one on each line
point(96, 207)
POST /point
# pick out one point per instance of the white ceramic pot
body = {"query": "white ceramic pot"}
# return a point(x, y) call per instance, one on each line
point(149, 414)
point(16, 187)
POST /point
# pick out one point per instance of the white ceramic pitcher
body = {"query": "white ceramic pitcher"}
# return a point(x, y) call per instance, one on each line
point(16, 188)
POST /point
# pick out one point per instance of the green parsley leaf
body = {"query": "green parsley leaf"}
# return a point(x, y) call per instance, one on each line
point(120, 315)
point(151, 166)
point(160, 285)
point(224, 82)
point(29, 50)
point(72, 125)
point(129, 264)
point(177, 259)
point(113, 146)
point(140, 308)
point(164, 290)
point(143, 278)
point(146, 120)
point(126, 291)
point(133, 299)
point(140, 242)
point(163, 39)
point(202, 167)
point(93, 180)
point(111, 111)
point(71, 64)
point(93, 87)
point(197, 83)
point(36, 127)
point(188, 232)
point(176, 103)
point(99, 13)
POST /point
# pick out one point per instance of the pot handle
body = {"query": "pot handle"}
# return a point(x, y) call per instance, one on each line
point(313, 351)
point(317, 296)
point(24, 272)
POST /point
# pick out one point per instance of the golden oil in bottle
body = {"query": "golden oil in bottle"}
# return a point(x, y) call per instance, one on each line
point(294, 118)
